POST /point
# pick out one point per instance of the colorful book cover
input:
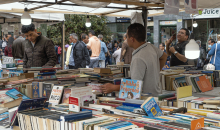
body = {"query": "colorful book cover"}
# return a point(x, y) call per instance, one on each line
point(56, 95)
point(204, 83)
point(35, 89)
point(47, 88)
point(5, 98)
point(151, 107)
point(74, 104)
point(66, 95)
point(130, 89)
point(15, 94)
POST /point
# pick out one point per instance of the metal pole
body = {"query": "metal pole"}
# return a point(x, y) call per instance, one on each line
point(63, 45)
point(144, 15)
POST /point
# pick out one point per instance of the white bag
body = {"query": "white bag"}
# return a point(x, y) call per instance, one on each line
point(209, 65)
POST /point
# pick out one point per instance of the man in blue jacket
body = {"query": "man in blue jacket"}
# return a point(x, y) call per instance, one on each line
point(102, 53)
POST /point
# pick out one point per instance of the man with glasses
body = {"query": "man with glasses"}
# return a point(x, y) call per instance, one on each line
point(177, 52)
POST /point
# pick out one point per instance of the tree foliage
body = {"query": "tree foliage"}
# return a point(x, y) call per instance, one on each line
point(76, 24)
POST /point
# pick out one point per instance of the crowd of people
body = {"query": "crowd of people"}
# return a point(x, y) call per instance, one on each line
point(88, 50)
point(146, 61)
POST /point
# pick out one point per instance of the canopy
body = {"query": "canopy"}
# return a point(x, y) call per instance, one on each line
point(115, 8)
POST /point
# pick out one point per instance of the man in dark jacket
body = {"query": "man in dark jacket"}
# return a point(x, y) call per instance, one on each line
point(39, 50)
point(18, 47)
point(79, 55)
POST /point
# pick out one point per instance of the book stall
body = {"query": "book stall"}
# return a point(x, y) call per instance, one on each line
point(48, 98)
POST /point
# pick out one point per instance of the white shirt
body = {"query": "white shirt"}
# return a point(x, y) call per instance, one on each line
point(4, 44)
point(117, 55)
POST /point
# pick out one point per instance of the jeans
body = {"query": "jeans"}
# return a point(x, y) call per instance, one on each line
point(108, 60)
point(102, 63)
point(94, 62)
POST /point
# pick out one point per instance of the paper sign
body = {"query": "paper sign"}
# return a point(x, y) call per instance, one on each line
point(197, 124)
point(7, 60)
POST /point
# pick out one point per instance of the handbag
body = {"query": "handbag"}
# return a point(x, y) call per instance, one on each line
point(210, 66)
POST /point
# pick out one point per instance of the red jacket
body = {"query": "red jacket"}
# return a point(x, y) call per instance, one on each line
point(8, 51)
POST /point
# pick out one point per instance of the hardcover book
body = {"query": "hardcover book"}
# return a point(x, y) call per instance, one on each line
point(47, 88)
point(35, 89)
point(74, 104)
point(130, 89)
point(151, 108)
point(56, 95)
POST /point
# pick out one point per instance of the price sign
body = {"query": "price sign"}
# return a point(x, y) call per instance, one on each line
point(7, 60)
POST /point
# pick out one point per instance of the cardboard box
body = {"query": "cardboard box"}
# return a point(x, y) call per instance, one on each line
point(102, 70)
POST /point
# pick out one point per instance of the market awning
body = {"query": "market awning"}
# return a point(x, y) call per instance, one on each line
point(116, 8)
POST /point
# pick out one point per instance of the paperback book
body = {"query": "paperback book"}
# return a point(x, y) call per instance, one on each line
point(47, 88)
point(56, 95)
point(151, 108)
point(15, 94)
point(35, 89)
point(130, 89)
point(74, 104)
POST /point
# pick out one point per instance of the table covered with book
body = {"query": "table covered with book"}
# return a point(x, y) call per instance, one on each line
point(53, 99)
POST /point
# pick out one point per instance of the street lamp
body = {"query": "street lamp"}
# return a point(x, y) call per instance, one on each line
point(26, 18)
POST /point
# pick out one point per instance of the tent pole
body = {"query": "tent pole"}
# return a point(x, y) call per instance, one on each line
point(63, 45)
point(144, 15)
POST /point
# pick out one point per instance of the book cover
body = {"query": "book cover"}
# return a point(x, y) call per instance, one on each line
point(204, 83)
point(87, 99)
point(151, 107)
point(81, 91)
point(47, 88)
point(130, 89)
point(66, 95)
point(56, 95)
point(74, 104)
point(35, 89)
point(5, 98)
point(4, 119)
point(15, 94)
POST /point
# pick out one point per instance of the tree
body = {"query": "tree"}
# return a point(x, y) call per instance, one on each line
point(76, 24)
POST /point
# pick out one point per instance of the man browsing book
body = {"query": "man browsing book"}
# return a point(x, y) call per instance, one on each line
point(147, 61)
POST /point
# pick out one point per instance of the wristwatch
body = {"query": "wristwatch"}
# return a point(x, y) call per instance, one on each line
point(175, 52)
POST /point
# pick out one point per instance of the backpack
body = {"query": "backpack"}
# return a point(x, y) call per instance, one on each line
point(59, 50)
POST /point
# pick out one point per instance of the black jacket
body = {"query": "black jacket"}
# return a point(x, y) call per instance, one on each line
point(81, 55)
point(42, 54)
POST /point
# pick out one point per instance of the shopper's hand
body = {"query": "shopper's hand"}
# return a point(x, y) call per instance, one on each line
point(107, 88)
point(170, 41)
point(172, 49)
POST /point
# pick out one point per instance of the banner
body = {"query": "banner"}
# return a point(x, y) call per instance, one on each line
point(191, 7)
point(171, 7)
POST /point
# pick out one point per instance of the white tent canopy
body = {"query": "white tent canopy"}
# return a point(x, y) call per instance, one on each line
point(49, 6)
point(18, 7)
